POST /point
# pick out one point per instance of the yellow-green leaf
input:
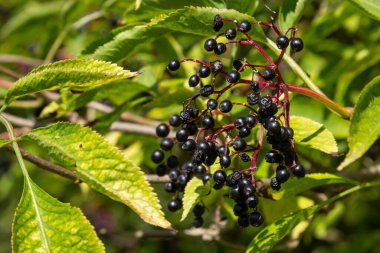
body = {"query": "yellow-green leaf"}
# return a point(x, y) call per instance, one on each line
point(75, 74)
point(43, 224)
point(290, 13)
point(365, 122)
point(194, 190)
point(101, 166)
point(369, 7)
point(313, 134)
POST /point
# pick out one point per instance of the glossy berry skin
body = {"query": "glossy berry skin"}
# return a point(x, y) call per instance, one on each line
point(218, 23)
point(172, 161)
point(225, 161)
point(282, 174)
point(250, 121)
point(244, 132)
point(245, 26)
point(194, 80)
point(240, 209)
point(243, 183)
point(166, 144)
point(182, 135)
point(200, 169)
point(268, 74)
point(256, 219)
point(208, 122)
point(197, 222)
point(225, 106)
point(162, 130)
point(206, 90)
point(237, 65)
point(157, 156)
point(239, 122)
point(174, 205)
point(220, 48)
point(296, 44)
point(274, 184)
point(254, 86)
point(192, 128)
point(206, 177)
point(239, 144)
point(273, 157)
point(244, 157)
point(265, 102)
point(233, 77)
point(230, 33)
point(212, 104)
point(173, 175)
point(252, 201)
point(234, 194)
point(243, 220)
point(253, 98)
point(220, 176)
point(204, 71)
point(248, 190)
point(161, 170)
point(216, 66)
point(173, 65)
point(274, 128)
point(282, 42)
point(298, 170)
point(188, 145)
point(210, 44)
point(222, 150)
point(175, 120)
point(170, 187)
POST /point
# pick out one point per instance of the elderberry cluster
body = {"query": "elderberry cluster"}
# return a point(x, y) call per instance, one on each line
point(196, 138)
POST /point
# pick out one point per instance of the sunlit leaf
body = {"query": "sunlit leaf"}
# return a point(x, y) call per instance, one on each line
point(370, 7)
point(290, 13)
point(194, 190)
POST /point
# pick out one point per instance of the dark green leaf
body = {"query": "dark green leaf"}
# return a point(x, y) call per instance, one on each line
point(369, 7)
point(290, 13)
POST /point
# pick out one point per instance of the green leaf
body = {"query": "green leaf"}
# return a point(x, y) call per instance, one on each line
point(192, 20)
point(75, 74)
point(313, 134)
point(101, 166)
point(43, 224)
point(4, 142)
point(193, 192)
point(369, 7)
point(276, 231)
point(295, 185)
point(244, 6)
point(290, 13)
point(365, 122)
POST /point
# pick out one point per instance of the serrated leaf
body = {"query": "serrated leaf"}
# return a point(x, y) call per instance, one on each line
point(312, 134)
point(192, 20)
point(365, 122)
point(276, 231)
point(194, 190)
point(290, 13)
point(369, 7)
point(101, 166)
point(75, 74)
point(244, 6)
point(43, 224)
point(295, 185)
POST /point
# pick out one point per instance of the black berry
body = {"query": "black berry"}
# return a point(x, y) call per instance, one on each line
point(206, 177)
point(157, 156)
point(204, 71)
point(218, 23)
point(252, 201)
point(238, 65)
point(208, 122)
point(210, 44)
point(296, 44)
point(256, 219)
point(212, 104)
point(197, 222)
point(274, 184)
point(161, 170)
point(166, 144)
point(220, 176)
point(282, 42)
point(239, 144)
point(282, 174)
point(172, 161)
point(182, 135)
point(225, 161)
point(253, 98)
point(298, 170)
point(233, 77)
point(254, 86)
point(194, 80)
point(243, 220)
point(245, 26)
point(173, 65)
point(230, 33)
point(175, 120)
point(206, 90)
point(162, 130)
point(216, 66)
point(268, 74)
point(174, 205)
point(225, 106)
point(220, 49)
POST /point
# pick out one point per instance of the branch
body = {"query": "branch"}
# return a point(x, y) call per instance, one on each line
point(18, 59)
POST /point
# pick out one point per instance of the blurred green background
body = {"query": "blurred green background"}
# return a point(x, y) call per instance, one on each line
point(341, 55)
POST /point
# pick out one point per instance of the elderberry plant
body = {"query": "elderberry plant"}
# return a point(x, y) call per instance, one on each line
point(204, 140)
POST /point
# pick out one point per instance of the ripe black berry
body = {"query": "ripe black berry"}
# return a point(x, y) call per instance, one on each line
point(216, 66)
point(225, 161)
point(222, 150)
point(243, 183)
point(282, 174)
point(210, 44)
point(244, 132)
point(253, 98)
point(234, 194)
point(274, 128)
point(296, 44)
point(240, 209)
point(233, 77)
point(274, 184)
point(182, 135)
point(173, 65)
point(194, 80)
point(204, 71)
point(170, 187)
point(252, 201)
point(218, 23)
point(254, 86)
point(243, 220)
point(197, 222)
point(256, 219)
point(230, 33)
point(174, 205)
point(172, 161)
point(239, 144)
point(273, 157)
point(161, 170)
point(162, 130)
point(237, 65)
point(206, 177)
point(233, 179)
point(192, 128)
point(203, 146)
point(198, 210)
point(220, 49)
point(290, 132)
point(166, 144)
point(225, 106)
point(157, 156)
point(244, 157)
point(265, 102)
point(282, 42)
point(245, 26)
point(212, 104)
point(239, 122)
point(250, 121)
point(173, 175)
point(298, 170)
point(268, 74)
point(200, 169)
point(208, 122)
point(220, 176)
point(248, 190)
point(206, 90)
point(175, 120)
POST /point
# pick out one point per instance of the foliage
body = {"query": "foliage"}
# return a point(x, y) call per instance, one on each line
point(84, 85)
